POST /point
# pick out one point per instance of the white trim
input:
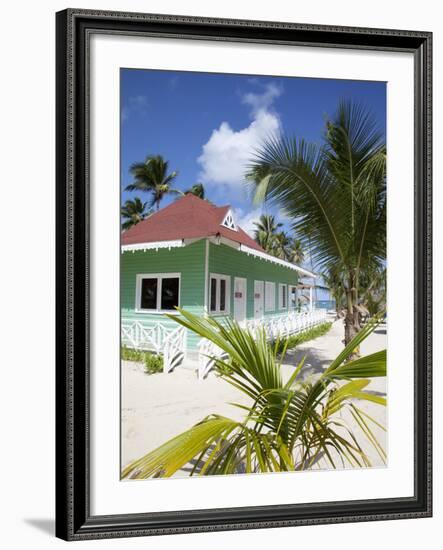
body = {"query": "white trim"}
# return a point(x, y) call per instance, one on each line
point(218, 240)
point(154, 245)
point(159, 277)
point(269, 258)
point(218, 277)
point(229, 221)
point(206, 286)
point(282, 286)
point(268, 286)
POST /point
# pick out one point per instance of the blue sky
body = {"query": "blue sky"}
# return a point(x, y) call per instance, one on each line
point(207, 125)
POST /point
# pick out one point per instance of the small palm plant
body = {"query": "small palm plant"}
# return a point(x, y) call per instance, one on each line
point(293, 425)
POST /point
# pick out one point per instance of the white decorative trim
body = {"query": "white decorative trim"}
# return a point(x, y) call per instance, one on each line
point(269, 258)
point(221, 240)
point(228, 221)
point(154, 245)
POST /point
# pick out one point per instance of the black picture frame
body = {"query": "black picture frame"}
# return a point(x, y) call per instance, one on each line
point(73, 518)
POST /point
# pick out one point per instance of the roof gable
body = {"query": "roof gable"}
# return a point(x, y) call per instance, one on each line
point(228, 221)
point(188, 218)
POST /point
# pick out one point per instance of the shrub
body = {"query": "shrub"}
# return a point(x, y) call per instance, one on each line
point(130, 354)
point(153, 363)
point(290, 342)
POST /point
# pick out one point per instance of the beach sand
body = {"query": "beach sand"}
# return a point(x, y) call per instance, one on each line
point(159, 406)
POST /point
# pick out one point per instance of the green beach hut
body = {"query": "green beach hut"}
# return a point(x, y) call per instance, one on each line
point(192, 254)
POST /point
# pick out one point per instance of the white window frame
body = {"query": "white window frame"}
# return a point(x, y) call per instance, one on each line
point(159, 277)
point(282, 290)
point(268, 286)
point(219, 277)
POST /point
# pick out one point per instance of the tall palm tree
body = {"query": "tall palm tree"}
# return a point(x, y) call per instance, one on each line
point(197, 189)
point(153, 176)
point(335, 195)
point(133, 211)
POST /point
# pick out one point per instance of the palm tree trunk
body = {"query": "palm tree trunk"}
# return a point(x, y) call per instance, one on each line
point(352, 320)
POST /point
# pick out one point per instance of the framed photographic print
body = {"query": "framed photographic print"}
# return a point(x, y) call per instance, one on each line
point(243, 274)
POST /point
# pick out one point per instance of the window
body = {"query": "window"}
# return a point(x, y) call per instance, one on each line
point(219, 293)
point(269, 296)
point(282, 296)
point(157, 292)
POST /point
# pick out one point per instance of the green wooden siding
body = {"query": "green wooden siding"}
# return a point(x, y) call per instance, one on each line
point(189, 261)
point(228, 261)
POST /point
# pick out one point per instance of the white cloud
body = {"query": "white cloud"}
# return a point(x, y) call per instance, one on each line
point(262, 102)
point(227, 153)
point(246, 220)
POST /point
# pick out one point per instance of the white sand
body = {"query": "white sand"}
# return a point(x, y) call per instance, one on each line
point(160, 406)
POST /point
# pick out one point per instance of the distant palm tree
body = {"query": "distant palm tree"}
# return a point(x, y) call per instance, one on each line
point(153, 177)
point(278, 243)
point(265, 232)
point(296, 255)
point(281, 247)
point(133, 211)
point(197, 189)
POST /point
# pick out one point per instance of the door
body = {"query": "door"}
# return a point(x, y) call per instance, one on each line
point(239, 299)
point(259, 299)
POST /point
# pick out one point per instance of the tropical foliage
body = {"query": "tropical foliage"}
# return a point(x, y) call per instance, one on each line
point(197, 189)
point(152, 362)
point(269, 235)
point(153, 176)
point(133, 212)
point(288, 425)
point(335, 195)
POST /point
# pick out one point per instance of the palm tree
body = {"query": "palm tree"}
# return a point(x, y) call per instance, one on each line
point(281, 247)
point(133, 211)
point(292, 425)
point(374, 293)
point(297, 254)
point(333, 282)
point(197, 189)
point(153, 177)
point(266, 229)
point(335, 195)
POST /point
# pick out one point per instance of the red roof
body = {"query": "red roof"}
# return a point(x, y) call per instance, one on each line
point(187, 218)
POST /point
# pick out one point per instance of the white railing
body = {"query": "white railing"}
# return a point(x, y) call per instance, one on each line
point(174, 349)
point(276, 326)
point(155, 336)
